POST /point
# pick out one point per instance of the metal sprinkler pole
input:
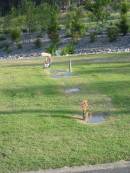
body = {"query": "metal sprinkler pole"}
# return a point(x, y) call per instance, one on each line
point(70, 66)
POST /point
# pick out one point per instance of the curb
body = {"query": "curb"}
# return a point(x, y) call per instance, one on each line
point(118, 167)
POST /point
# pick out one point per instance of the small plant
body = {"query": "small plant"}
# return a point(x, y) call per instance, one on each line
point(74, 25)
point(2, 38)
point(124, 7)
point(15, 34)
point(7, 48)
point(19, 45)
point(123, 25)
point(85, 109)
point(6, 31)
point(52, 49)
point(112, 33)
point(93, 36)
point(38, 43)
point(69, 49)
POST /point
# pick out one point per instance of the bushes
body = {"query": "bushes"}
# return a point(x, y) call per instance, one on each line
point(52, 49)
point(7, 48)
point(19, 45)
point(123, 25)
point(15, 34)
point(112, 33)
point(74, 25)
point(69, 49)
point(4, 45)
point(38, 43)
point(2, 38)
point(93, 36)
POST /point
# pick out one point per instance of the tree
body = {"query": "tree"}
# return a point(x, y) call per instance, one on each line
point(53, 29)
point(124, 7)
point(43, 16)
point(123, 25)
point(74, 25)
point(99, 10)
point(15, 34)
point(28, 8)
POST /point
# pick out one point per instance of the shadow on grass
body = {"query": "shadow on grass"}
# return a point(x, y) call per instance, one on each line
point(42, 112)
point(33, 91)
point(110, 70)
point(25, 65)
point(117, 91)
point(63, 114)
point(81, 60)
point(93, 61)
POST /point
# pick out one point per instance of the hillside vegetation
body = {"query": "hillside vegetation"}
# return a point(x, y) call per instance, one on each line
point(58, 20)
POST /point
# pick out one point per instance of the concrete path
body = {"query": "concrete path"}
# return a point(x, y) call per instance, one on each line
point(118, 167)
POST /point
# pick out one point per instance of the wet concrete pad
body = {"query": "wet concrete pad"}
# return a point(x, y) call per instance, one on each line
point(72, 90)
point(60, 74)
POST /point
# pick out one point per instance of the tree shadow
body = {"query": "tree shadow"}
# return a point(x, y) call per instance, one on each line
point(76, 60)
point(32, 91)
point(45, 113)
point(93, 61)
point(116, 90)
point(111, 70)
point(25, 65)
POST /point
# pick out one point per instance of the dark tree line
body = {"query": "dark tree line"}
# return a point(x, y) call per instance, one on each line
point(6, 5)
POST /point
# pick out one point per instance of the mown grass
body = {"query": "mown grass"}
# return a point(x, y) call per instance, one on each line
point(37, 130)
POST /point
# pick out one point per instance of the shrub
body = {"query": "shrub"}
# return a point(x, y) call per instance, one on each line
point(52, 49)
point(7, 48)
point(19, 45)
point(123, 26)
point(69, 49)
point(93, 36)
point(38, 43)
point(15, 34)
point(124, 7)
point(6, 31)
point(112, 33)
point(74, 25)
point(2, 38)
point(3, 45)
point(24, 30)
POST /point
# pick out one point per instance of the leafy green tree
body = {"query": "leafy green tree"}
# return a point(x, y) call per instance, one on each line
point(15, 34)
point(17, 21)
point(6, 23)
point(43, 16)
point(112, 32)
point(53, 28)
point(74, 25)
point(99, 10)
point(124, 7)
point(28, 8)
point(123, 25)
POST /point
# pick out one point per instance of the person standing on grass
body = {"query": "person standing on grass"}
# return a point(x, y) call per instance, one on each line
point(48, 60)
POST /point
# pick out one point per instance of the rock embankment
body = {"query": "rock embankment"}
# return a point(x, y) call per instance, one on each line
point(84, 46)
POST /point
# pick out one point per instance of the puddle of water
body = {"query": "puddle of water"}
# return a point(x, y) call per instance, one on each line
point(61, 74)
point(97, 118)
point(72, 90)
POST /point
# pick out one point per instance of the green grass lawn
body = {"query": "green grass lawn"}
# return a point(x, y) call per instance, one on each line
point(37, 130)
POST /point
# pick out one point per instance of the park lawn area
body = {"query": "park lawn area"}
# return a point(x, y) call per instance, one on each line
point(37, 128)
